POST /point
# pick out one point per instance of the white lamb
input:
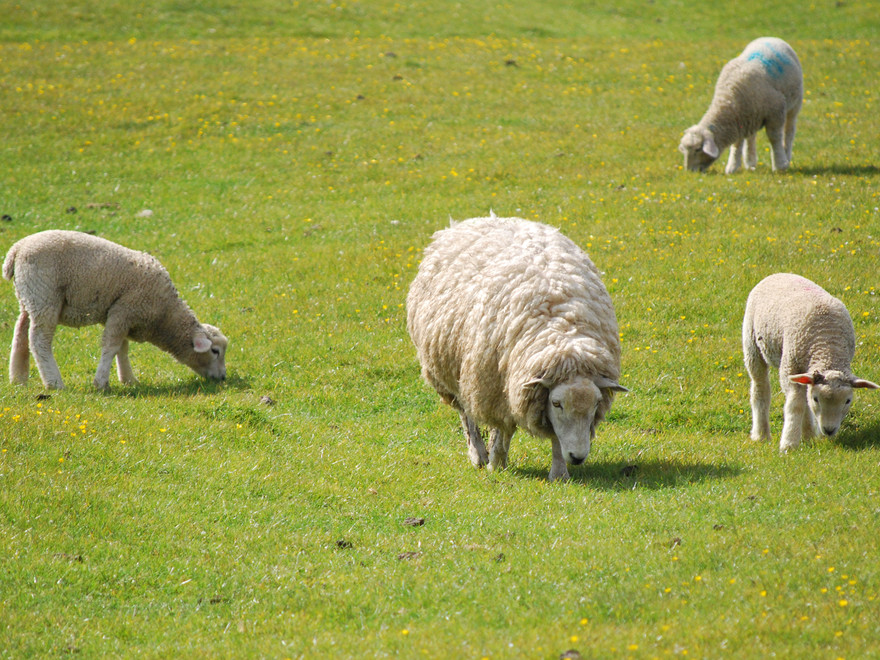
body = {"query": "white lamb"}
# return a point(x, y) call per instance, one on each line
point(764, 86)
point(513, 327)
point(75, 279)
point(799, 328)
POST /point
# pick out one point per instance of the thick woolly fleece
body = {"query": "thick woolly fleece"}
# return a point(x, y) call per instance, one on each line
point(76, 279)
point(763, 87)
point(499, 304)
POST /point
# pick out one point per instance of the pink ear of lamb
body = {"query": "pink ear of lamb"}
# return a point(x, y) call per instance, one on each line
point(201, 343)
point(803, 379)
point(710, 148)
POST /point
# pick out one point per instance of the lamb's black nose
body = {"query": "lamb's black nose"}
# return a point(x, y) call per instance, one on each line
point(576, 460)
point(830, 431)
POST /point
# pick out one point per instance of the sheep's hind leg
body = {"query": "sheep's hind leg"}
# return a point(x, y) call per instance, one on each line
point(499, 444)
point(777, 148)
point(40, 337)
point(790, 125)
point(476, 446)
point(759, 396)
point(19, 354)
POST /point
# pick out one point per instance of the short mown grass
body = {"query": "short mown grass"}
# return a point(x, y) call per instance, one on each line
point(296, 158)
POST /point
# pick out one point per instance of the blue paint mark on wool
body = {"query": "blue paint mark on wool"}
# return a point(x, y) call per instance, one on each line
point(772, 60)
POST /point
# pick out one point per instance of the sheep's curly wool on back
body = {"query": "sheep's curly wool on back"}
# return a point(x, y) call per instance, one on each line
point(499, 303)
point(798, 326)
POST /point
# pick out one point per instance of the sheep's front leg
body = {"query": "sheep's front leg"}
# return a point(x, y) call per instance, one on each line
point(809, 426)
point(123, 365)
point(735, 159)
point(499, 444)
point(40, 337)
point(19, 354)
point(795, 404)
point(751, 155)
point(476, 446)
point(558, 469)
point(111, 344)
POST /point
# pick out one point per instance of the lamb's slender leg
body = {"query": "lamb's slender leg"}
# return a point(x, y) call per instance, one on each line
point(759, 394)
point(735, 159)
point(499, 444)
point(558, 469)
point(751, 155)
point(40, 336)
point(810, 426)
point(114, 336)
point(476, 446)
point(790, 125)
point(123, 365)
point(19, 354)
point(775, 127)
point(795, 402)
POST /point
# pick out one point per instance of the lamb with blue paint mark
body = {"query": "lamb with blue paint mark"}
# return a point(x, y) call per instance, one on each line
point(763, 87)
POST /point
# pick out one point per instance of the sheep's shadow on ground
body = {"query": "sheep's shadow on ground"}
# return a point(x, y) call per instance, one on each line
point(859, 439)
point(182, 388)
point(839, 169)
point(653, 475)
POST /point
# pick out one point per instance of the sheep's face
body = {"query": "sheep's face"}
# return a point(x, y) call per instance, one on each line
point(830, 401)
point(571, 408)
point(208, 357)
point(699, 149)
point(830, 396)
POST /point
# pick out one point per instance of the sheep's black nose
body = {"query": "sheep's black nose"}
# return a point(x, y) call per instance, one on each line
point(830, 431)
point(577, 460)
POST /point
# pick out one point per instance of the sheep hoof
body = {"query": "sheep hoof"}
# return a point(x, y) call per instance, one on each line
point(558, 476)
point(499, 464)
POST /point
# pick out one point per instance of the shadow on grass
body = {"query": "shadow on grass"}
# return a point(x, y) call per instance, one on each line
point(185, 388)
point(654, 475)
point(860, 439)
point(838, 169)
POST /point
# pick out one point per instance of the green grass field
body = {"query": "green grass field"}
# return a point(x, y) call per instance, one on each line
point(296, 158)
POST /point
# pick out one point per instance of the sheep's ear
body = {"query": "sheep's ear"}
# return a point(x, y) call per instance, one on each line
point(534, 382)
point(802, 379)
point(858, 382)
point(710, 148)
point(605, 383)
point(683, 149)
point(201, 343)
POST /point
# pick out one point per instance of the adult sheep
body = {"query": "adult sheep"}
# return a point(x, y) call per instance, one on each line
point(75, 279)
point(513, 327)
point(763, 87)
point(796, 326)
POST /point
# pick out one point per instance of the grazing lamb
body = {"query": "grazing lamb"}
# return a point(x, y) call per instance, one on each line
point(764, 86)
point(799, 328)
point(513, 327)
point(75, 279)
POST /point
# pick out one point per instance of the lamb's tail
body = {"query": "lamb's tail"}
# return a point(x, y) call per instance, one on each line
point(9, 264)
